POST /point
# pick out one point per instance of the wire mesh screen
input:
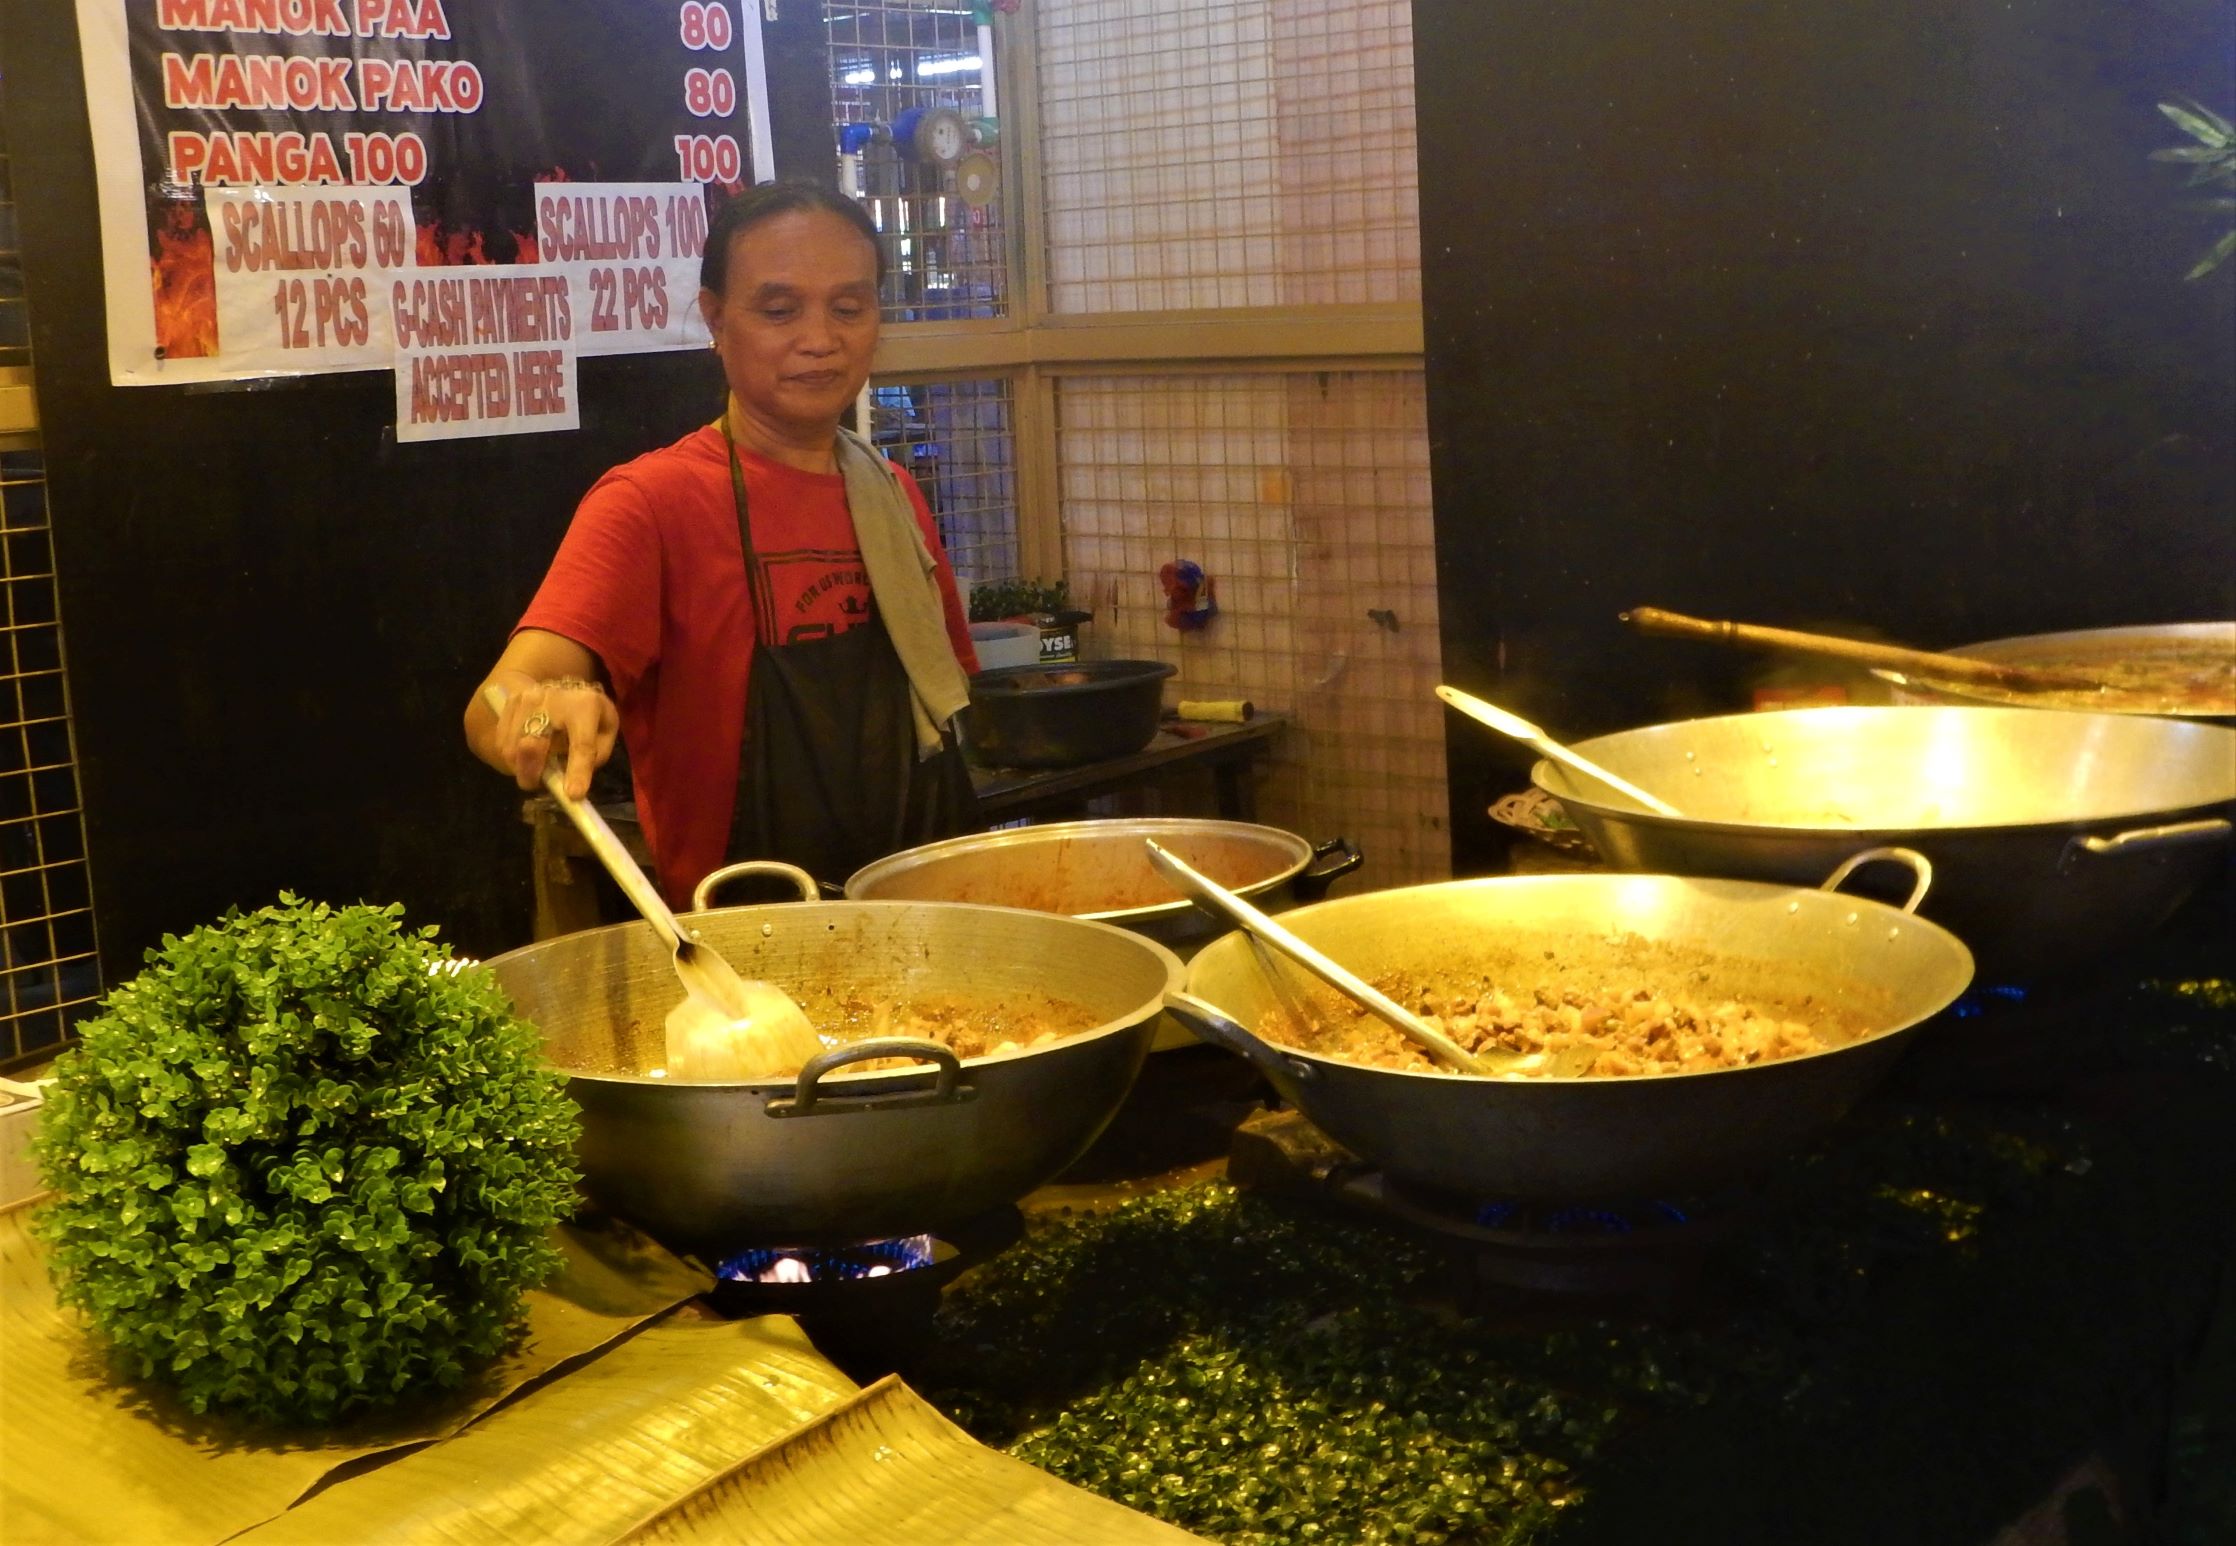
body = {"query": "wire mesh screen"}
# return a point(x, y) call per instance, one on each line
point(15, 320)
point(1305, 497)
point(46, 908)
point(48, 970)
point(954, 438)
point(895, 65)
point(1228, 153)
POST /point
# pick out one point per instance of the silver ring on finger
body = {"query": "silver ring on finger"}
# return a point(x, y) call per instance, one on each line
point(537, 726)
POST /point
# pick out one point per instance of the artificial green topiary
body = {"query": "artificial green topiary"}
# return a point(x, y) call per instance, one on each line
point(303, 1166)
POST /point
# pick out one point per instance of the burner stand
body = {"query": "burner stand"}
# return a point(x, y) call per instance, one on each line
point(1638, 1255)
point(874, 1326)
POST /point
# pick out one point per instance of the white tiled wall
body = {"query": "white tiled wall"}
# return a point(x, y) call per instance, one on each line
point(1207, 153)
point(1306, 497)
point(1216, 153)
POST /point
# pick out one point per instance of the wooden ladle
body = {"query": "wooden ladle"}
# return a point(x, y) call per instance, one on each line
point(1927, 664)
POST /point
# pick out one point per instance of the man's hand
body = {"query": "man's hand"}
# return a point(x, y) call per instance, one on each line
point(543, 701)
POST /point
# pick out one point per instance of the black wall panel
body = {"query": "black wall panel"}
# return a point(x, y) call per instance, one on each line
point(1813, 313)
point(274, 613)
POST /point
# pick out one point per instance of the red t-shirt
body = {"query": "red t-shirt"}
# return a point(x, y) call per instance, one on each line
point(650, 578)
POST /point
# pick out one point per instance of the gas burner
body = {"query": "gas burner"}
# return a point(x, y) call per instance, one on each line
point(1588, 1253)
point(1651, 1250)
point(1993, 999)
point(867, 1306)
point(836, 1264)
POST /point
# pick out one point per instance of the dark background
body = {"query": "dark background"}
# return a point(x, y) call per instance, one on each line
point(274, 614)
point(1808, 313)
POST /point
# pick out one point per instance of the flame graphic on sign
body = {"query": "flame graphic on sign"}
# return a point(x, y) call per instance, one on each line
point(183, 272)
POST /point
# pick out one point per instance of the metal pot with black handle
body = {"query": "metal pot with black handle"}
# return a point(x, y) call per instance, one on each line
point(2056, 838)
point(835, 1155)
point(1866, 975)
point(1100, 870)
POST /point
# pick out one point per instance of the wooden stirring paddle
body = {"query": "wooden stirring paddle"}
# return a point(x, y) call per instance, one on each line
point(1885, 657)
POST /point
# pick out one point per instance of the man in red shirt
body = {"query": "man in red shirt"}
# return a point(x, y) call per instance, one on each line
point(762, 608)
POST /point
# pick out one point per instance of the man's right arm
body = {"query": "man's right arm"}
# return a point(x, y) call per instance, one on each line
point(548, 675)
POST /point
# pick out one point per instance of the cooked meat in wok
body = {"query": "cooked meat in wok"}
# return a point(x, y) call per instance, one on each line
point(972, 1025)
point(1634, 1026)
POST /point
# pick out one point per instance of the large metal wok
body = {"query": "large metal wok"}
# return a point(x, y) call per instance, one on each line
point(1100, 870)
point(1574, 1139)
point(834, 1156)
point(2081, 650)
point(2055, 838)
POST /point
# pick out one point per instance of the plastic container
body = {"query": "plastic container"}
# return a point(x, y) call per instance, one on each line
point(1004, 646)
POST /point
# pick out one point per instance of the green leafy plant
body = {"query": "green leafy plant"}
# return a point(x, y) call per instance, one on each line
point(304, 1165)
point(2212, 163)
point(999, 599)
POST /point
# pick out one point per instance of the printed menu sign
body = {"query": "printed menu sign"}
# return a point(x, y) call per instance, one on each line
point(276, 175)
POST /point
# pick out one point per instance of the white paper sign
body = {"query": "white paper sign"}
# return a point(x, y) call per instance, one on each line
point(631, 253)
point(300, 274)
point(486, 350)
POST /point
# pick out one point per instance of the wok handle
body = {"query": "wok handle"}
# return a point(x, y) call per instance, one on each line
point(808, 1100)
point(1920, 866)
point(1214, 1027)
point(2179, 834)
point(702, 895)
point(1313, 883)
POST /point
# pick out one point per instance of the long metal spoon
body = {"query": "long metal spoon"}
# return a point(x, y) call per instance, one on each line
point(1529, 735)
point(1209, 894)
point(727, 1027)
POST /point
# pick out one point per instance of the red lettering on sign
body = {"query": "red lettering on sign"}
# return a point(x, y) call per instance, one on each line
point(539, 380)
point(402, 19)
point(261, 157)
point(294, 18)
point(420, 85)
point(262, 83)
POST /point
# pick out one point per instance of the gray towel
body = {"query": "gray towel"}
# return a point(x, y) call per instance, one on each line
point(902, 577)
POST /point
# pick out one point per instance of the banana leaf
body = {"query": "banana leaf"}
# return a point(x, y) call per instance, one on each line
point(92, 1456)
point(886, 1467)
point(584, 1457)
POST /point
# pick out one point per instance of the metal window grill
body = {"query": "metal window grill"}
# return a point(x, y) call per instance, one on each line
point(1305, 496)
point(1204, 153)
point(891, 60)
point(954, 437)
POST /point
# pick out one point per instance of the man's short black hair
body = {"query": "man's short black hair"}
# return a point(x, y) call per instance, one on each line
point(765, 202)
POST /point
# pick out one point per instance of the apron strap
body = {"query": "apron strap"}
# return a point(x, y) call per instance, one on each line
point(758, 591)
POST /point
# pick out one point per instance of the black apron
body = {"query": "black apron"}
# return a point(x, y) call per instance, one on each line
point(828, 776)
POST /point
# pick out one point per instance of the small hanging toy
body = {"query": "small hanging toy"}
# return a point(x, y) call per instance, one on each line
point(1191, 596)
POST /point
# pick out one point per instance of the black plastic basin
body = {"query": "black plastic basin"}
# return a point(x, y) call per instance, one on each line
point(1061, 716)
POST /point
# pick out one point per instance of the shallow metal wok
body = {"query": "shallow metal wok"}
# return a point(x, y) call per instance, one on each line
point(1780, 949)
point(2055, 837)
point(1099, 869)
point(834, 1156)
point(2077, 650)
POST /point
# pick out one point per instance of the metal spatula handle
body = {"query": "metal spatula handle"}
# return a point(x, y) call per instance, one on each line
point(1209, 893)
point(1520, 729)
point(604, 844)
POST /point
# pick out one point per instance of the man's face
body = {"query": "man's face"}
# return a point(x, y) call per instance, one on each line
point(798, 325)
